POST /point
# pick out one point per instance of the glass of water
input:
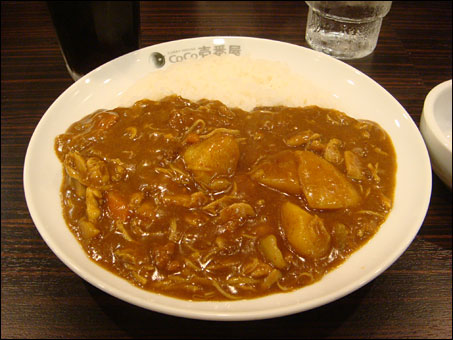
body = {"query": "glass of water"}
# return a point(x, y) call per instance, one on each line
point(345, 29)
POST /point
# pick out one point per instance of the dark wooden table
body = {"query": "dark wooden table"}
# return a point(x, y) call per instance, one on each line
point(42, 298)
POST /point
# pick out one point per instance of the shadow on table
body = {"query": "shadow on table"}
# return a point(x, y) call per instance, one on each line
point(436, 228)
point(137, 322)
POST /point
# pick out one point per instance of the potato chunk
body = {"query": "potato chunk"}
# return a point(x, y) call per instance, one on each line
point(216, 156)
point(305, 232)
point(323, 185)
point(278, 171)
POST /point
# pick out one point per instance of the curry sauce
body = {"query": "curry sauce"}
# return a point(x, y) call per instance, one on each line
point(199, 201)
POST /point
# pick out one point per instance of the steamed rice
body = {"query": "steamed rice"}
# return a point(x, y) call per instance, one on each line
point(236, 81)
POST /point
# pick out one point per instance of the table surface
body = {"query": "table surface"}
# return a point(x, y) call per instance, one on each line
point(42, 298)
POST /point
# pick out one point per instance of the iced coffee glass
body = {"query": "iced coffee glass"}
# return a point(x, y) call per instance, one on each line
point(91, 33)
point(345, 29)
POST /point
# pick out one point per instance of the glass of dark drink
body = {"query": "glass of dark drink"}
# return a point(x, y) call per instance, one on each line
point(90, 33)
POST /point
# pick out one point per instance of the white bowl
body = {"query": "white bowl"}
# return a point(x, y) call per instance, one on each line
point(435, 125)
point(349, 90)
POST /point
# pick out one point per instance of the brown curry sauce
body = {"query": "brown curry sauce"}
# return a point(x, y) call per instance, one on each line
point(203, 202)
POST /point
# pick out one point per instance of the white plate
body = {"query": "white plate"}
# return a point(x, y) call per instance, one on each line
point(350, 91)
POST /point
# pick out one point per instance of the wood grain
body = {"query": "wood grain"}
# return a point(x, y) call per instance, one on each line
point(42, 298)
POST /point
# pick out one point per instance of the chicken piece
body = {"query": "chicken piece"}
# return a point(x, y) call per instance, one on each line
point(104, 120)
point(301, 138)
point(87, 229)
point(278, 171)
point(297, 139)
point(98, 174)
point(92, 207)
point(237, 211)
point(216, 156)
point(332, 152)
point(147, 210)
point(272, 253)
point(353, 165)
point(164, 257)
point(340, 236)
point(76, 167)
point(323, 185)
point(136, 199)
point(305, 232)
point(196, 199)
point(272, 278)
point(80, 189)
point(256, 269)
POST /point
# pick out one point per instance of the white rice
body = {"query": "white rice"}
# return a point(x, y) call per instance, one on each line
point(236, 81)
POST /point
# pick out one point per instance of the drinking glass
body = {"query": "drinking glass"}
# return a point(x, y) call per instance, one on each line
point(90, 33)
point(345, 29)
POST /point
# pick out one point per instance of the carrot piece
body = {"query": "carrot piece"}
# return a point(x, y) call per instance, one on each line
point(192, 138)
point(117, 205)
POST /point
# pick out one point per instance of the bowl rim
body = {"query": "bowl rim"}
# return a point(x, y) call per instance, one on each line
point(428, 113)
